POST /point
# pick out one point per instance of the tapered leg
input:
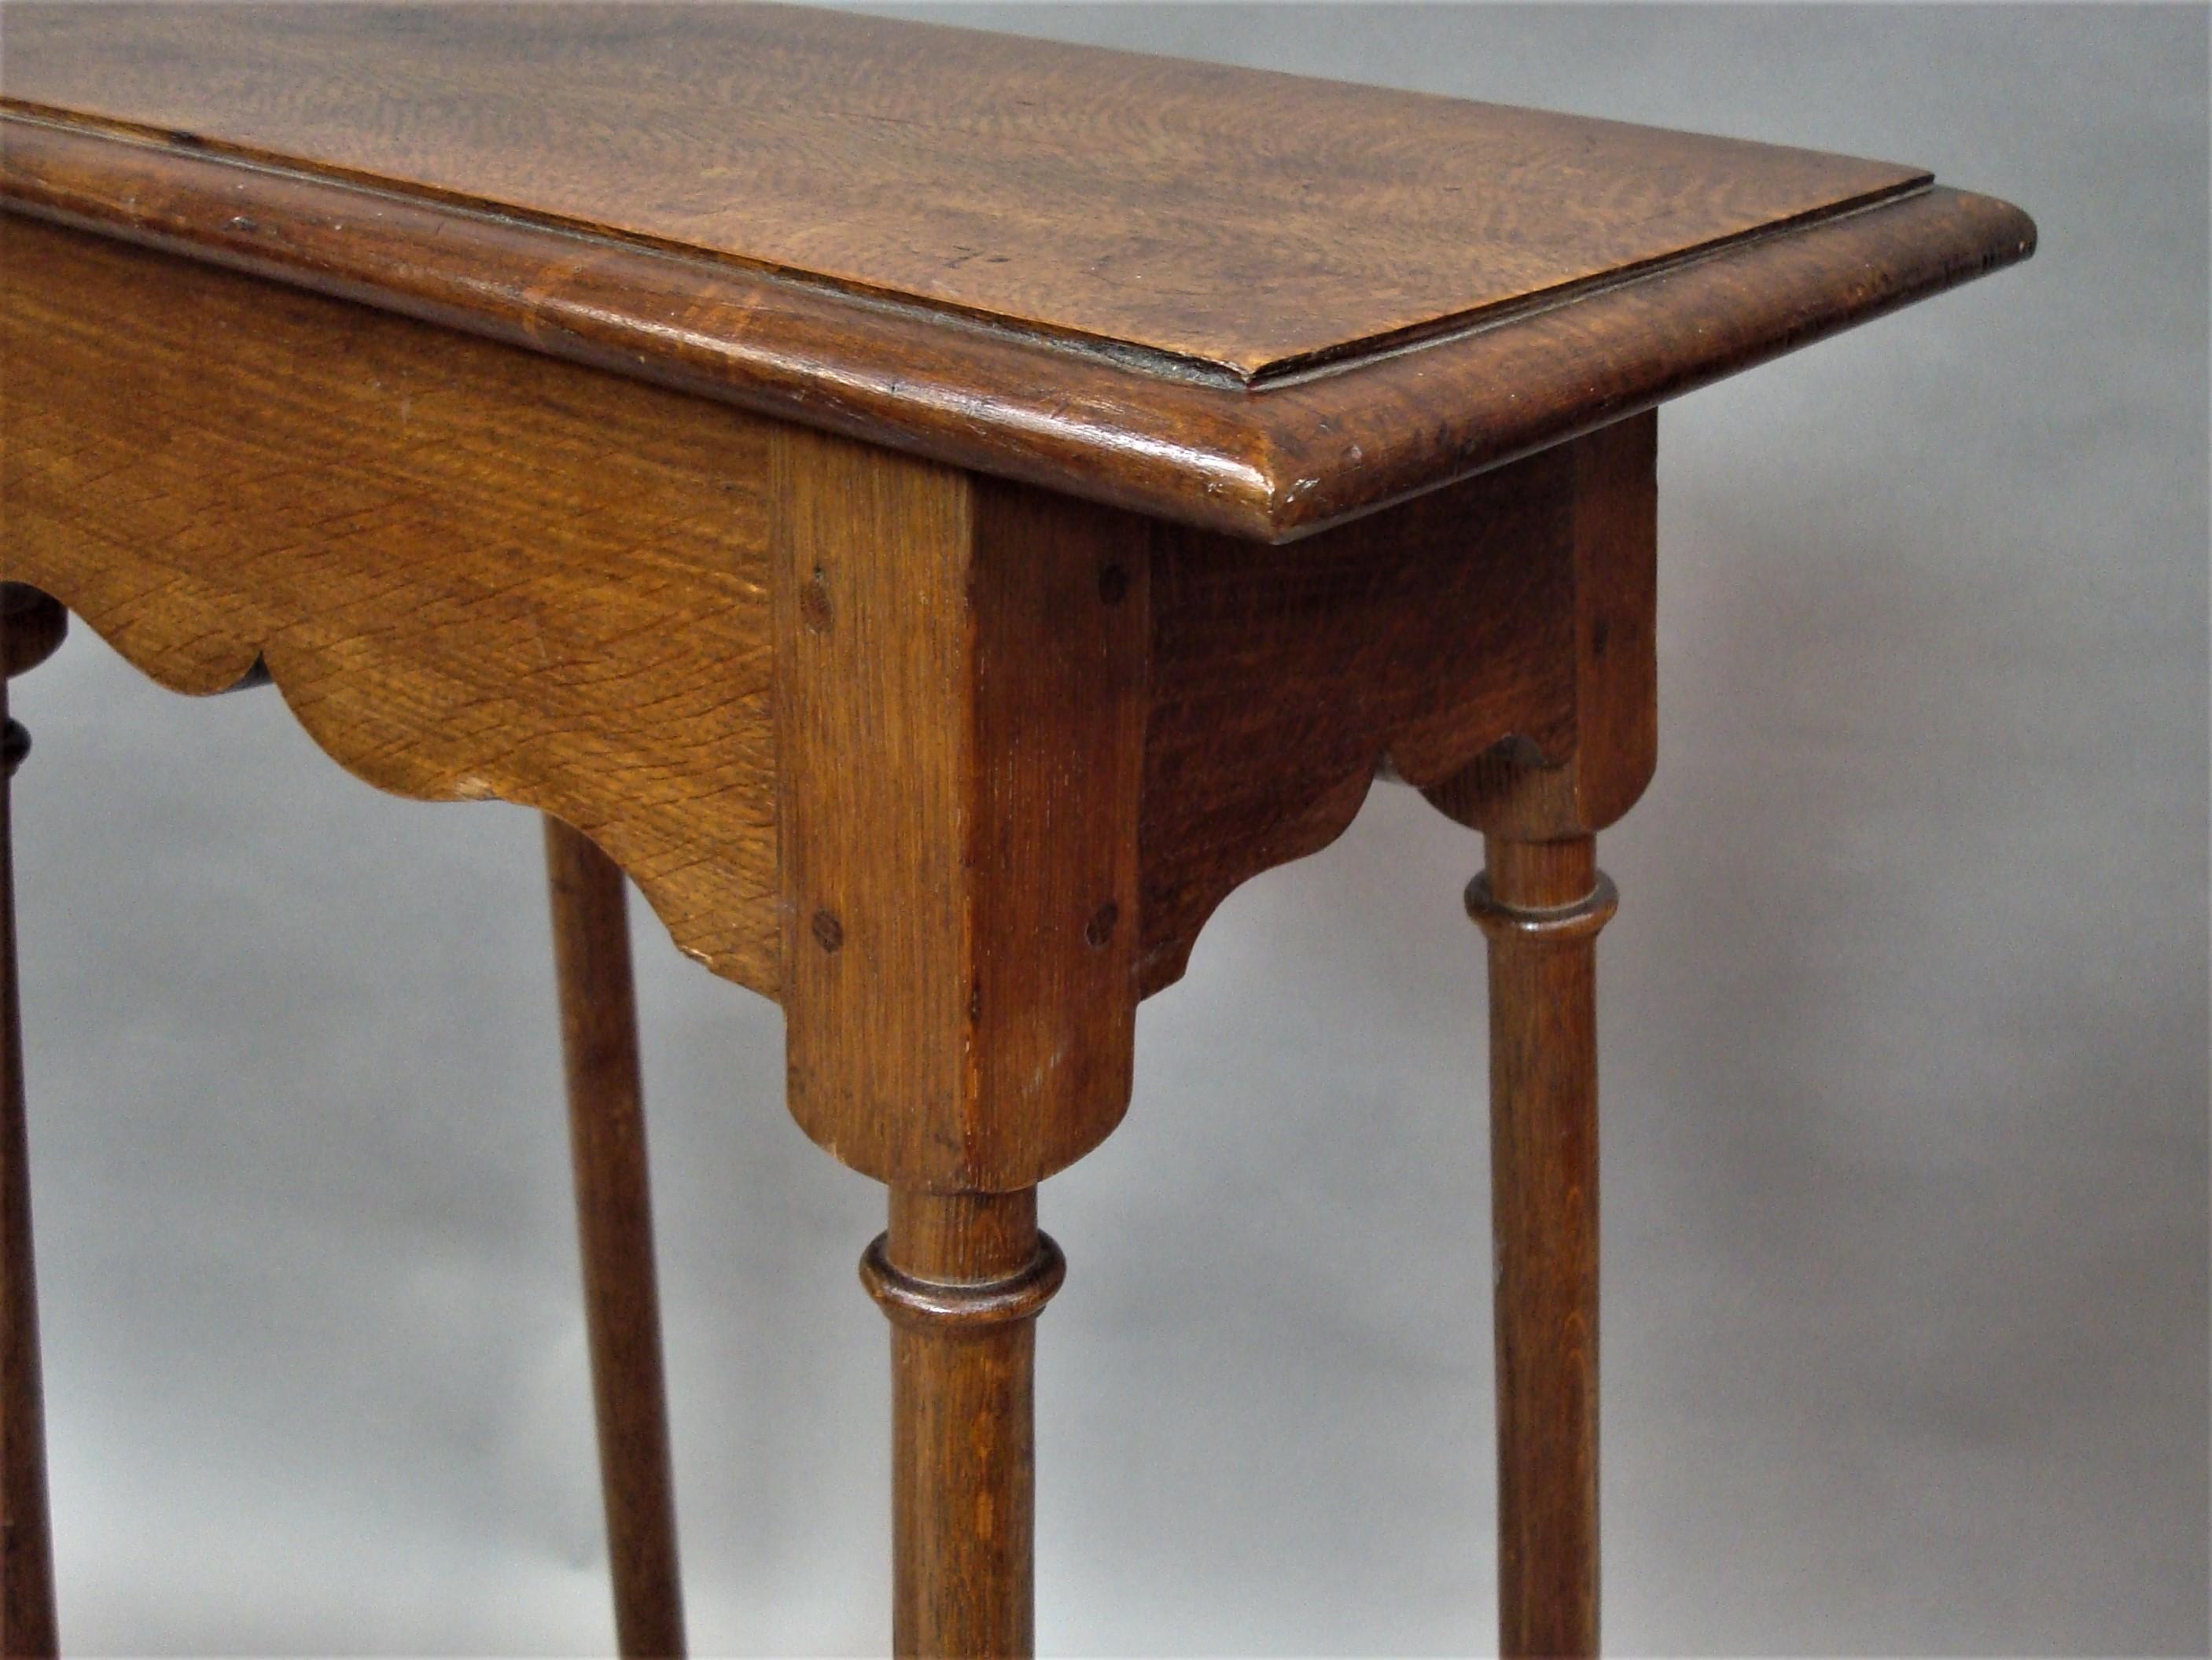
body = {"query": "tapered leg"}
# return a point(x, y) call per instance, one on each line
point(614, 1217)
point(27, 1558)
point(962, 1277)
point(1542, 904)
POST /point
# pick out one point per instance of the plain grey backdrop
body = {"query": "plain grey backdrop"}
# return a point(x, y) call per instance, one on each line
point(1905, 1044)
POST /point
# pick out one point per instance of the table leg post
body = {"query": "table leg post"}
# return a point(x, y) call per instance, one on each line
point(26, 1560)
point(960, 735)
point(962, 1277)
point(1542, 904)
point(614, 1217)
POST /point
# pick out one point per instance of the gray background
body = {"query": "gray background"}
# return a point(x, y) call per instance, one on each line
point(1905, 1040)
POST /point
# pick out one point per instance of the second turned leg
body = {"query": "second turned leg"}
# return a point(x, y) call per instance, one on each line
point(27, 1561)
point(1542, 904)
point(614, 1218)
point(32, 626)
point(962, 1277)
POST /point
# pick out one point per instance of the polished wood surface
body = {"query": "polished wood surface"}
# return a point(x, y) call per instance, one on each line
point(31, 626)
point(842, 469)
point(1226, 220)
point(1542, 904)
point(399, 522)
point(614, 1229)
point(963, 1278)
point(1317, 300)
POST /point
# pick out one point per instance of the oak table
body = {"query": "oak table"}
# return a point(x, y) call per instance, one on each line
point(938, 511)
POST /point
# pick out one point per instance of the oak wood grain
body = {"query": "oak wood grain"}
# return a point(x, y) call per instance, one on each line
point(942, 685)
point(1245, 221)
point(961, 679)
point(462, 596)
point(473, 571)
point(1414, 641)
point(1341, 425)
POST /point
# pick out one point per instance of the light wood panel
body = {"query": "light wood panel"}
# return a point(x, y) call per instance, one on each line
point(473, 571)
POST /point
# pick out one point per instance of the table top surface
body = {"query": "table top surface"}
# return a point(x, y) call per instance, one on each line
point(1245, 222)
point(1162, 244)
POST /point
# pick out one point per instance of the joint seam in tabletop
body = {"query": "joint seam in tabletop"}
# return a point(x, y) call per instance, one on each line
point(1271, 462)
point(1140, 359)
point(1470, 326)
point(1150, 361)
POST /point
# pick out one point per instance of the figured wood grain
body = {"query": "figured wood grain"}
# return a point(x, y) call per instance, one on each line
point(1125, 421)
point(1244, 221)
point(614, 1229)
point(473, 571)
point(959, 727)
point(955, 766)
point(195, 540)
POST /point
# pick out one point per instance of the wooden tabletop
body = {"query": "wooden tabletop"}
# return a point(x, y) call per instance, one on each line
point(1253, 301)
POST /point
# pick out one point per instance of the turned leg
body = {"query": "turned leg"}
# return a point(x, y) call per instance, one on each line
point(962, 1277)
point(1542, 904)
point(959, 754)
point(614, 1218)
point(30, 627)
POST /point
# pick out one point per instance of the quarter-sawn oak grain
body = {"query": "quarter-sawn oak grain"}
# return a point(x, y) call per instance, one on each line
point(943, 685)
point(461, 594)
point(1233, 220)
point(1515, 356)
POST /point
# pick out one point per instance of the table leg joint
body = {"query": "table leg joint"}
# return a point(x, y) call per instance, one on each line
point(952, 1305)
